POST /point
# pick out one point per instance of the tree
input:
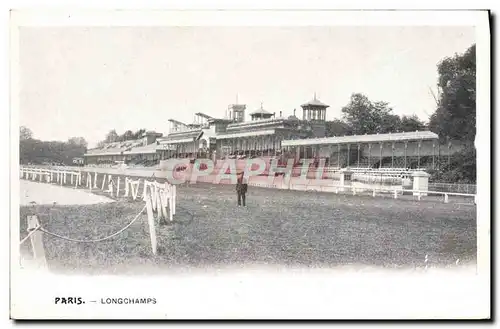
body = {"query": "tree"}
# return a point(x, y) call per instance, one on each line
point(139, 133)
point(111, 137)
point(25, 133)
point(337, 128)
point(128, 135)
point(411, 123)
point(78, 141)
point(455, 117)
point(366, 117)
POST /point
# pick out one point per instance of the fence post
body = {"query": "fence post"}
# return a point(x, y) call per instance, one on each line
point(151, 222)
point(103, 182)
point(37, 242)
point(446, 198)
point(134, 188)
point(126, 187)
point(373, 194)
point(395, 194)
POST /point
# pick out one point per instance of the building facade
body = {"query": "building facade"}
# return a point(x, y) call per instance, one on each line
point(270, 135)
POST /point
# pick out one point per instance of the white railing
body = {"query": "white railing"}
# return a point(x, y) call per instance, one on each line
point(108, 183)
point(457, 188)
point(52, 175)
point(379, 190)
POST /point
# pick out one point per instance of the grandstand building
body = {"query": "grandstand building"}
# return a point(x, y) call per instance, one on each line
point(269, 135)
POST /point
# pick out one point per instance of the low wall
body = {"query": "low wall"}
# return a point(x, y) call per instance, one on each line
point(329, 182)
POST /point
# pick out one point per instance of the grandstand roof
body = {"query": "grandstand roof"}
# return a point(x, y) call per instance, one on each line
point(396, 137)
point(176, 141)
point(203, 115)
point(151, 148)
point(247, 134)
point(115, 148)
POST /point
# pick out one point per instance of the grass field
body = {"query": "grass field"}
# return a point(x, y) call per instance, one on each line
point(278, 227)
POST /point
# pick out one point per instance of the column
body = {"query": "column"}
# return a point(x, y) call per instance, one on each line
point(406, 150)
point(392, 156)
point(380, 162)
point(338, 155)
point(359, 147)
point(418, 153)
point(433, 154)
point(369, 155)
point(348, 154)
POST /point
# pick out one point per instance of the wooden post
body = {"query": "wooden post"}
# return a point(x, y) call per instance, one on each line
point(143, 188)
point(446, 198)
point(151, 223)
point(134, 188)
point(37, 242)
point(174, 198)
point(126, 187)
point(110, 185)
point(95, 179)
point(103, 182)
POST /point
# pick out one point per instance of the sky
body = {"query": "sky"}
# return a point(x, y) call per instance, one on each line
point(77, 81)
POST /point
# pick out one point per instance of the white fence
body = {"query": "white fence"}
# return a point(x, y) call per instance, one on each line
point(455, 188)
point(159, 198)
point(354, 190)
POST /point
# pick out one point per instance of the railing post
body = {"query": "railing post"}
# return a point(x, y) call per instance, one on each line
point(37, 242)
point(151, 222)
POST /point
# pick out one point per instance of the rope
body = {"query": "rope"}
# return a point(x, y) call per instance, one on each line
point(94, 240)
point(30, 234)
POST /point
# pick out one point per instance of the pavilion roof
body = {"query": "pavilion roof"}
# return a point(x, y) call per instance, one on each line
point(374, 138)
point(315, 102)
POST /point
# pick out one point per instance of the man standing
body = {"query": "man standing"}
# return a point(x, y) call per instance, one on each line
point(241, 189)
